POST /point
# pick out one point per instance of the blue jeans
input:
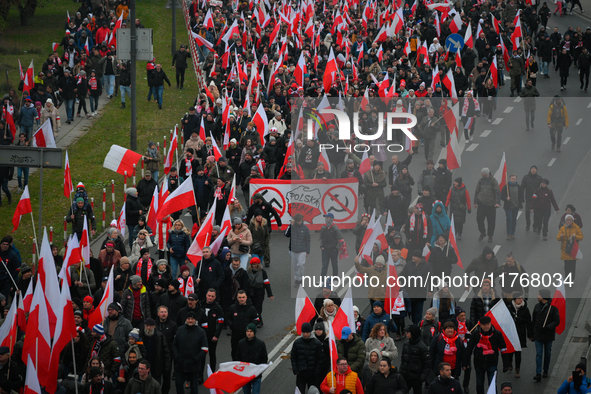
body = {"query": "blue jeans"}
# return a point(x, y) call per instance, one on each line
point(110, 84)
point(416, 310)
point(70, 108)
point(545, 68)
point(192, 378)
point(94, 103)
point(330, 256)
point(130, 235)
point(159, 90)
point(151, 92)
point(480, 372)
point(253, 387)
point(5, 190)
point(511, 215)
point(176, 262)
point(123, 90)
point(546, 349)
point(155, 175)
point(28, 130)
point(20, 171)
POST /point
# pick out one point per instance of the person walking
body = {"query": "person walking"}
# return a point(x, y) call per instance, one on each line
point(331, 240)
point(179, 61)
point(529, 94)
point(517, 68)
point(512, 195)
point(529, 184)
point(542, 202)
point(487, 199)
point(252, 350)
point(584, 66)
point(189, 350)
point(567, 235)
point(563, 62)
point(415, 363)
point(158, 77)
point(299, 246)
point(545, 319)
point(457, 204)
point(238, 317)
point(125, 84)
point(557, 121)
point(142, 381)
point(522, 319)
point(307, 359)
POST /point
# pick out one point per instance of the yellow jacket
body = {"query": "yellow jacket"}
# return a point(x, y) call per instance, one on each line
point(564, 114)
point(564, 234)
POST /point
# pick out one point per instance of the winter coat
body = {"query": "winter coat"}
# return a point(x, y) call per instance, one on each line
point(429, 330)
point(136, 249)
point(437, 352)
point(109, 355)
point(517, 66)
point(174, 303)
point(86, 276)
point(260, 232)
point(307, 357)
point(180, 242)
point(442, 259)
point(515, 198)
point(246, 237)
point(481, 266)
point(458, 201)
point(299, 238)
point(487, 192)
point(411, 269)
point(355, 354)
point(375, 292)
point(132, 210)
point(529, 184)
point(145, 191)
point(374, 194)
point(545, 321)
point(397, 206)
point(252, 351)
point(240, 316)
point(80, 215)
point(374, 319)
point(214, 318)
point(392, 384)
point(211, 273)
point(267, 209)
point(161, 358)
point(127, 303)
point(522, 319)
point(543, 199)
point(563, 62)
point(122, 328)
point(50, 113)
point(156, 275)
point(564, 235)
point(330, 237)
point(189, 349)
point(497, 343)
point(477, 309)
point(415, 237)
point(442, 183)
point(440, 222)
point(386, 346)
point(445, 386)
point(529, 94)
point(426, 180)
point(148, 386)
point(415, 361)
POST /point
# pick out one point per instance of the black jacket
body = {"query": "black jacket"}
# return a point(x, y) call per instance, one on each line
point(522, 319)
point(252, 351)
point(444, 386)
point(174, 303)
point(415, 360)
point(214, 319)
point(157, 352)
point(392, 384)
point(211, 273)
point(545, 329)
point(497, 343)
point(67, 85)
point(189, 349)
point(267, 210)
point(442, 183)
point(307, 357)
point(158, 77)
point(125, 77)
point(437, 349)
point(240, 316)
point(299, 238)
point(104, 387)
point(168, 328)
point(128, 301)
point(180, 59)
point(182, 316)
point(145, 191)
point(132, 210)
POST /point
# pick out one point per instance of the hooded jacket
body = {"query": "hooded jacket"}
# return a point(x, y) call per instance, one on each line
point(189, 349)
point(307, 357)
point(370, 370)
point(415, 360)
point(442, 182)
point(529, 184)
point(458, 200)
point(481, 266)
point(545, 321)
point(497, 343)
point(240, 316)
point(564, 235)
point(440, 222)
point(487, 192)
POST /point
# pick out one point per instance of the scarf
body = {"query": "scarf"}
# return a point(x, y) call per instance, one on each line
point(256, 279)
point(102, 390)
point(462, 331)
point(141, 242)
point(188, 169)
point(152, 152)
point(450, 350)
point(467, 105)
point(484, 344)
point(425, 225)
point(218, 195)
point(189, 288)
point(92, 83)
point(96, 347)
point(517, 306)
point(138, 268)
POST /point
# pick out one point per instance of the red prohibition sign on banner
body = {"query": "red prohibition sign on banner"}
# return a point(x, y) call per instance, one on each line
point(330, 193)
point(268, 189)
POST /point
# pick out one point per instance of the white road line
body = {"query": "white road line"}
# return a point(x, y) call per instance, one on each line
point(551, 162)
point(485, 133)
point(276, 362)
point(589, 105)
point(280, 345)
point(187, 214)
point(517, 100)
point(508, 110)
point(497, 121)
point(496, 249)
point(579, 121)
point(471, 147)
point(519, 213)
point(566, 140)
point(506, 78)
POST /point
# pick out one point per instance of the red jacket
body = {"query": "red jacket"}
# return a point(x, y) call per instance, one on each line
point(349, 381)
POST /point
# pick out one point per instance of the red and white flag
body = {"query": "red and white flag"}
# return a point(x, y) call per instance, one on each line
point(25, 308)
point(503, 322)
point(304, 309)
point(85, 245)
point(122, 221)
point(209, 373)
point(152, 213)
point(171, 152)
point(217, 153)
point(23, 207)
point(202, 238)
point(68, 185)
point(380, 54)
point(100, 311)
point(37, 345)
point(29, 83)
point(72, 258)
point(332, 347)
point(453, 153)
point(48, 277)
point(208, 21)
point(232, 193)
point(468, 39)
point(32, 378)
point(43, 137)
point(183, 197)
point(575, 252)
point(261, 122)
point(87, 46)
point(344, 316)
point(300, 70)
point(234, 375)
point(365, 99)
point(494, 72)
point(453, 242)
point(501, 174)
point(392, 292)
point(426, 253)
point(215, 246)
point(365, 164)
point(202, 41)
point(20, 69)
point(456, 23)
point(323, 158)
point(559, 301)
point(449, 83)
point(120, 160)
point(261, 167)
point(54, 47)
point(8, 331)
point(330, 72)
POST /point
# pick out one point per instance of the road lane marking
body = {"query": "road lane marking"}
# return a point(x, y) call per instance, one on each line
point(579, 121)
point(496, 249)
point(566, 140)
point(280, 345)
point(497, 121)
point(517, 100)
point(551, 162)
point(589, 105)
point(508, 110)
point(485, 133)
point(471, 147)
point(519, 213)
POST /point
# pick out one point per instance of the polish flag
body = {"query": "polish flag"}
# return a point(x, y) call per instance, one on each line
point(100, 311)
point(209, 373)
point(344, 316)
point(120, 159)
point(376, 233)
point(87, 46)
point(68, 185)
point(426, 253)
point(456, 23)
point(468, 39)
point(330, 72)
point(48, 278)
point(208, 21)
point(365, 99)
point(122, 221)
point(478, 30)
point(391, 291)
point(300, 70)
point(216, 150)
point(435, 78)
point(215, 245)
point(171, 152)
point(85, 245)
point(23, 207)
point(32, 380)
point(448, 82)
point(8, 331)
point(323, 158)
point(492, 387)
point(332, 347)
point(226, 220)
point(494, 73)
point(517, 36)
point(261, 167)
point(458, 59)
point(202, 238)
point(261, 122)
point(380, 53)
point(232, 193)
point(274, 33)
point(234, 375)
point(559, 301)
point(73, 257)
point(21, 311)
point(37, 345)
point(29, 83)
point(407, 50)
point(43, 137)
point(309, 30)
point(496, 23)
point(365, 164)
point(505, 53)
point(202, 130)
point(503, 322)
point(152, 212)
point(575, 253)
point(27, 300)
point(454, 153)
point(452, 239)
point(304, 309)
point(384, 86)
point(501, 174)
point(65, 331)
point(202, 41)
point(183, 197)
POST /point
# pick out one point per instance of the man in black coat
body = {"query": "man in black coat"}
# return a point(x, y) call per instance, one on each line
point(395, 168)
point(485, 344)
point(180, 59)
point(168, 328)
point(307, 359)
point(445, 383)
point(442, 182)
point(214, 321)
point(157, 350)
point(545, 319)
point(192, 306)
point(190, 123)
point(252, 350)
point(189, 349)
point(239, 316)
point(67, 89)
point(145, 189)
point(133, 210)
point(266, 208)
point(158, 77)
point(173, 300)
point(530, 182)
point(208, 273)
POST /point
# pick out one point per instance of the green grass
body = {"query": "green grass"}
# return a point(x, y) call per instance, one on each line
point(112, 127)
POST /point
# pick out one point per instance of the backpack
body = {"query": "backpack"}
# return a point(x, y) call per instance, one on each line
point(556, 116)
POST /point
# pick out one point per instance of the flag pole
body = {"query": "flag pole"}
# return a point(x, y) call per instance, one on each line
point(9, 356)
point(82, 267)
point(34, 233)
point(74, 364)
point(201, 262)
point(477, 324)
point(331, 358)
point(9, 275)
point(547, 314)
